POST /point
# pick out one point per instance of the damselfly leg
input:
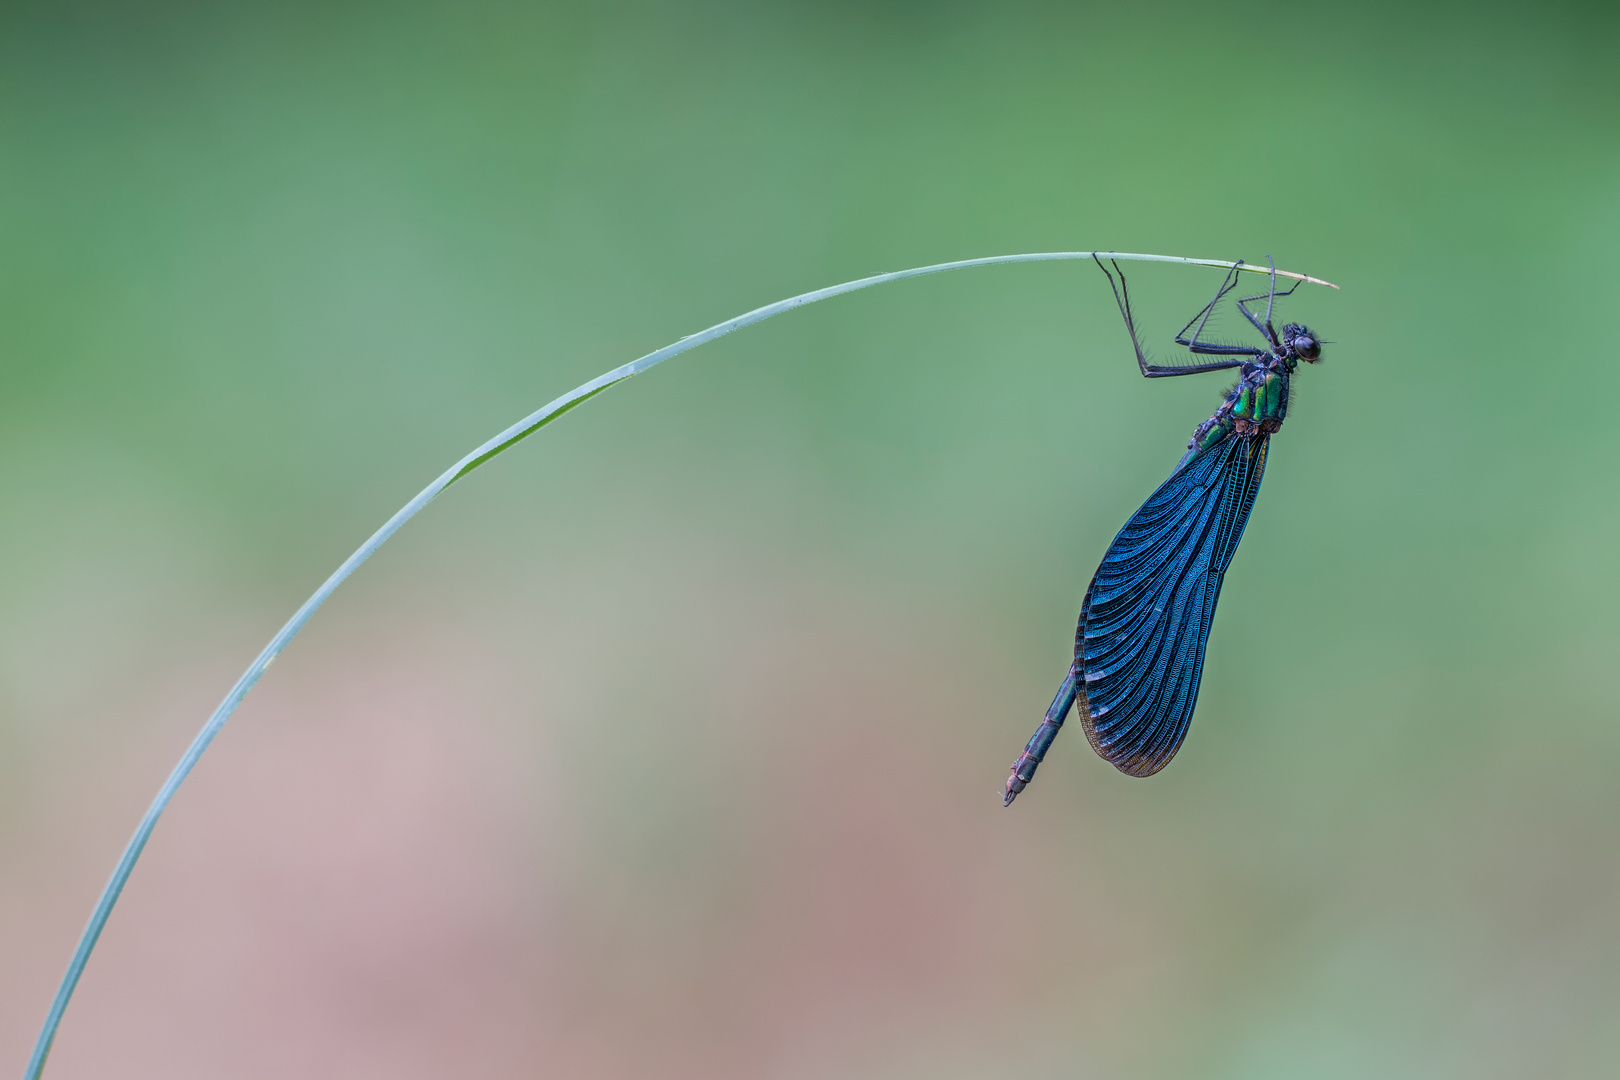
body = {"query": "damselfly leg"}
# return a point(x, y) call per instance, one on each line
point(1271, 296)
point(1150, 370)
point(1207, 348)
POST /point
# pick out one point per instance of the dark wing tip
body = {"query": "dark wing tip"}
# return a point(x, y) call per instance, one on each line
point(1141, 766)
point(1138, 764)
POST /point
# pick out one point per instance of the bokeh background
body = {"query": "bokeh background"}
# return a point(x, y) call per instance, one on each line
point(671, 744)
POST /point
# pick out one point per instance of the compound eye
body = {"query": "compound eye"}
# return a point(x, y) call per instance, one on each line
point(1307, 347)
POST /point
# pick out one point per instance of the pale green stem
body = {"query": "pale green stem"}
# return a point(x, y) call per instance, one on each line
point(523, 428)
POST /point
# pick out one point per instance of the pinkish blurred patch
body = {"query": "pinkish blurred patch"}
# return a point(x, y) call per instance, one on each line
point(437, 844)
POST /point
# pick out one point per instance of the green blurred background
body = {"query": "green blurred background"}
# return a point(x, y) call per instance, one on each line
point(671, 745)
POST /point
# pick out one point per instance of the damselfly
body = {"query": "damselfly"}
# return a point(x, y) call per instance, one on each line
point(1139, 648)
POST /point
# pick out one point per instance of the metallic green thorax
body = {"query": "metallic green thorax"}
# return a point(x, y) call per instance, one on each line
point(1255, 406)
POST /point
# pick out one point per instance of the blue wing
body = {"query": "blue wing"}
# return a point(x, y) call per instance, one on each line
point(1139, 648)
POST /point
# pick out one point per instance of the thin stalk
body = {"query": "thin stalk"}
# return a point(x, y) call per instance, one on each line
point(499, 444)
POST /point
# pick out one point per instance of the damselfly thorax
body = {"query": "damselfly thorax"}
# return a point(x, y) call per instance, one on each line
point(1256, 405)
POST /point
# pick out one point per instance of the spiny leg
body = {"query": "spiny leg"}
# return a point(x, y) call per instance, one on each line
point(1227, 284)
point(1271, 297)
point(1197, 347)
point(1122, 297)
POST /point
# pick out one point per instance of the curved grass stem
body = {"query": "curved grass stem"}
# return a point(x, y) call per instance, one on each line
point(495, 446)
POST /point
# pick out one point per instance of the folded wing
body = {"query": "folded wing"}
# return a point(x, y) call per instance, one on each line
point(1139, 648)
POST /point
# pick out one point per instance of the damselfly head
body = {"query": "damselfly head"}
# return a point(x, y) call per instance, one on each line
point(1302, 343)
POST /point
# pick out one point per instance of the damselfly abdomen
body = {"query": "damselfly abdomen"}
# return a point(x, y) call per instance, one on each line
point(1139, 647)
